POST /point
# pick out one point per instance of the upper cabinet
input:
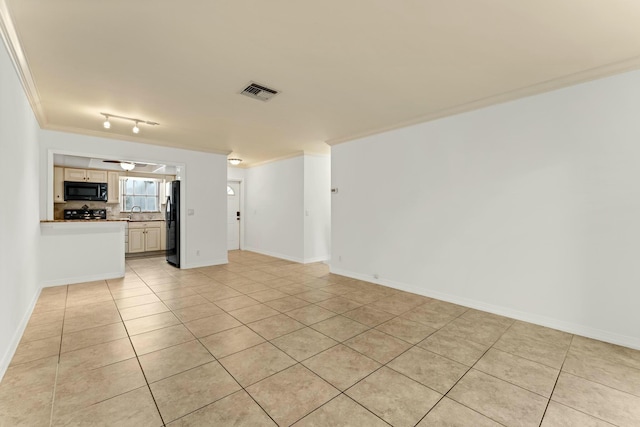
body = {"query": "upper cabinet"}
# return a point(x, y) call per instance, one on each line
point(113, 187)
point(85, 175)
point(58, 185)
point(163, 188)
point(97, 176)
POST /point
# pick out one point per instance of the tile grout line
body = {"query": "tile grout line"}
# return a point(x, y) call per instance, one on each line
point(342, 342)
point(463, 375)
point(235, 379)
point(338, 342)
point(382, 365)
point(144, 375)
point(564, 359)
point(305, 326)
point(269, 341)
point(214, 358)
point(55, 382)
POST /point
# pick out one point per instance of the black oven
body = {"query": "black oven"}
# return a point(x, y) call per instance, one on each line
point(91, 191)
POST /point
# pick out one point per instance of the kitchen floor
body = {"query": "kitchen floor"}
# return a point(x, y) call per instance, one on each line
point(262, 341)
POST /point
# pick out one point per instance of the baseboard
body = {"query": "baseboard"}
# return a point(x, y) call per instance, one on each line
point(17, 336)
point(82, 279)
point(324, 259)
point(275, 255)
point(206, 263)
point(572, 328)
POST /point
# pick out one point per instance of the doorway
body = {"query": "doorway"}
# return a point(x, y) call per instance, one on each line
point(233, 215)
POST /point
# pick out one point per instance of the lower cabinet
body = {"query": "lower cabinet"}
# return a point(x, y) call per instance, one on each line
point(145, 236)
point(163, 236)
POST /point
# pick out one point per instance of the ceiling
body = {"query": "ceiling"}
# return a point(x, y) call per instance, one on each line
point(344, 69)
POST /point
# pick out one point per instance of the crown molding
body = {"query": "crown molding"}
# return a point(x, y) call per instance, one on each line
point(532, 90)
point(276, 159)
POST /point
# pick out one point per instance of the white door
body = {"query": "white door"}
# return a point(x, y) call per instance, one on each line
point(233, 215)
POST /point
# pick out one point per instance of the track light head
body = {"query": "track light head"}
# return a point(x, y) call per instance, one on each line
point(136, 129)
point(107, 123)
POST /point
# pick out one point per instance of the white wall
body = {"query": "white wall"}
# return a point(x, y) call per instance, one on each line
point(102, 257)
point(274, 203)
point(317, 208)
point(19, 223)
point(235, 174)
point(203, 188)
point(288, 208)
point(529, 209)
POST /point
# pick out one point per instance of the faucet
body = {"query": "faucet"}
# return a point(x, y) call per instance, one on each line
point(134, 211)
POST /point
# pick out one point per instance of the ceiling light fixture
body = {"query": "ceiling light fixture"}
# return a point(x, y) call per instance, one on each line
point(127, 166)
point(235, 162)
point(107, 123)
point(136, 129)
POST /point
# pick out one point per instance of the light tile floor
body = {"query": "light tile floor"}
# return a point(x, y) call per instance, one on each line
point(262, 341)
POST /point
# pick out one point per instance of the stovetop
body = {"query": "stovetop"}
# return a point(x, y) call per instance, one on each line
point(91, 214)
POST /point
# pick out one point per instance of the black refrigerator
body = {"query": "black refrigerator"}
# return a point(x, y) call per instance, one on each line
point(173, 223)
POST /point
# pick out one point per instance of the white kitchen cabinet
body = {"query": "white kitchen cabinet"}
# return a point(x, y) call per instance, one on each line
point(163, 188)
point(136, 240)
point(162, 194)
point(58, 185)
point(75, 174)
point(113, 187)
point(88, 175)
point(152, 239)
point(96, 176)
point(163, 235)
point(145, 236)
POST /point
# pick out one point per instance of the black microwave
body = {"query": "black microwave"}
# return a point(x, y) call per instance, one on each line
point(91, 191)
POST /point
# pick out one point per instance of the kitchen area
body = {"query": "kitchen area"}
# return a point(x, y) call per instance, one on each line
point(113, 209)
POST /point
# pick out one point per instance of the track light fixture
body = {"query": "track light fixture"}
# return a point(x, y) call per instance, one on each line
point(136, 128)
point(107, 123)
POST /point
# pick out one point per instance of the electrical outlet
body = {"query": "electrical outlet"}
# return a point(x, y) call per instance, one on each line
point(198, 252)
point(376, 276)
point(340, 258)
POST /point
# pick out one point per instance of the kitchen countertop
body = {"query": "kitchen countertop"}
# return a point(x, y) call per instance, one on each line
point(100, 220)
point(80, 220)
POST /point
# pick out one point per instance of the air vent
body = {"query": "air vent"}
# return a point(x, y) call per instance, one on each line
point(260, 92)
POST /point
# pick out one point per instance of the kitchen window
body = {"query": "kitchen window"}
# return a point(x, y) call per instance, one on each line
point(139, 192)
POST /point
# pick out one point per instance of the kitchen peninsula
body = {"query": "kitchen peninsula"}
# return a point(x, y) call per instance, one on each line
point(87, 233)
point(81, 251)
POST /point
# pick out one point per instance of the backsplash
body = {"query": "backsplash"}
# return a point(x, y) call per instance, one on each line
point(113, 210)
